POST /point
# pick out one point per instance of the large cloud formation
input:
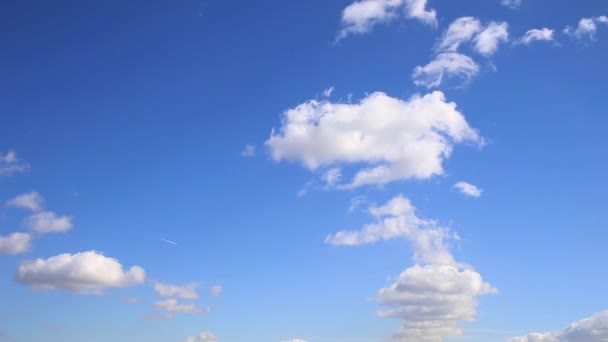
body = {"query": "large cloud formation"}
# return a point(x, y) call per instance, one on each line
point(592, 329)
point(394, 139)
point(86, 272)
point(434, 295)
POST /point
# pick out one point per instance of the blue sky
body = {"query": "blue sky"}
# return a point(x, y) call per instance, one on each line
point(378, 170)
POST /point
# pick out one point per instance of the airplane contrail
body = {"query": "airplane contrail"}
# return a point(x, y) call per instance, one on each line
point(168, 241)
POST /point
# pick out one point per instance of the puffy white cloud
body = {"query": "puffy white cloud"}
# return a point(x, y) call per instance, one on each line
point(432, 297)
point(361, 16)
point(202, 337)
point(592, 329)
point(15, 243)
point(393, 139)
point(534, 35)
point(216, 290)
point(248, 151)
point(48, 222)
point(187, 291)
point(398, 219)
point(10, 164)
point(445, 65)
point(171, 306)
point(31, 201)
point(468, 189)
point(511, 3)
point(587, 27)
point(86, 272)
point(460, 31)
point(487, 41)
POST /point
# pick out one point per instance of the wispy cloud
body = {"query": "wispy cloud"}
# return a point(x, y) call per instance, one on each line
point(10, 164)
point(168, 241)
point(468, 189)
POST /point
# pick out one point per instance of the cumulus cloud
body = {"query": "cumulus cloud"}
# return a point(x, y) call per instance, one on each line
point(468, 189)
point(86, 272)
point(216, 290)
point(31, 201)
point(534, 35)
point(15, 243)
point(592, 329)
point(48, 222)
point(248, 151)
point(432, 297)
point(445, 65)
point(187, 291)
point(10, 164)
point(487, 41)
point(393, 139)
point(511, 3)
point(361, 16)
point(460, 31)
point(587, 28)
point(202, 337)
point(172, 306)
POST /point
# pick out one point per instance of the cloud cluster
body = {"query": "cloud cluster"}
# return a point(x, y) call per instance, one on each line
point(170, 306)
point(86, 272)
point(41, 221)
point(393, 139)
point(361, 16)
point(468, 189)
point(587, 27)
point(10, 164)
point(433, 296)
point(592, 329)
point(202, 337)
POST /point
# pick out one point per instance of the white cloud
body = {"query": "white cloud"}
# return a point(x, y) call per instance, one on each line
point(327, 92)
point(15, 243)
point(48, 222)
point(460, 31)
point(172, 306)
point(86, 272)
point(468, 189)
point(202, 337)
point(445, 65)
point(361, 16)
point(248, 151)
point(394, 139)
point(511, 3)
point(432, 297)
point(31, 201)
point(587, 27)
point(487, 41)
point(592, 329)
point(294, 340)
point(216, 290)
point(533, 35)
point(332, 176)
point(187, 291)
point(10, 164)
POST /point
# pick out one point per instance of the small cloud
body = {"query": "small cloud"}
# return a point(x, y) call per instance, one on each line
point(202, 337)
point(15, 243)
point(172, 306)
point(513, 4)
point(168, 241)
point(31, 201)
point(468, 189)
point(187, 291)
point(48, 222)
point(356, 203)
point(10, 164)
point(327, 92)
point(248, 151)
point(534, 35)
point(332, 176)
point(216, 291)
point(587, 28)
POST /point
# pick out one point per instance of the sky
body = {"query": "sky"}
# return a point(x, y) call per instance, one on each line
point(303, 171)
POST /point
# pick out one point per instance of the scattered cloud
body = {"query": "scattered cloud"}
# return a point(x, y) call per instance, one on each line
point(31, 201)
point(327, 92)
point(361, 16)
point(86, 272)
point(535, 35)
point(48, 222)
point(10, 164)
point(356, 203)
point(216, 291)
point(432, 297)
point(202, 337)
point(445, 65)
point(511, 3)
point(394, 139)
point(172, 306)
point(592, 329)
point(487, 41)
point(187, 291)
point(248, 151)
point(460, 31)
point(332, 176)
point(295, 340)
point(587, 28)
point(15, 243)
point(468, 189)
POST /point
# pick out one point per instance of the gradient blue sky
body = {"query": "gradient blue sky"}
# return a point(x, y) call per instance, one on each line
point(133, 117)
